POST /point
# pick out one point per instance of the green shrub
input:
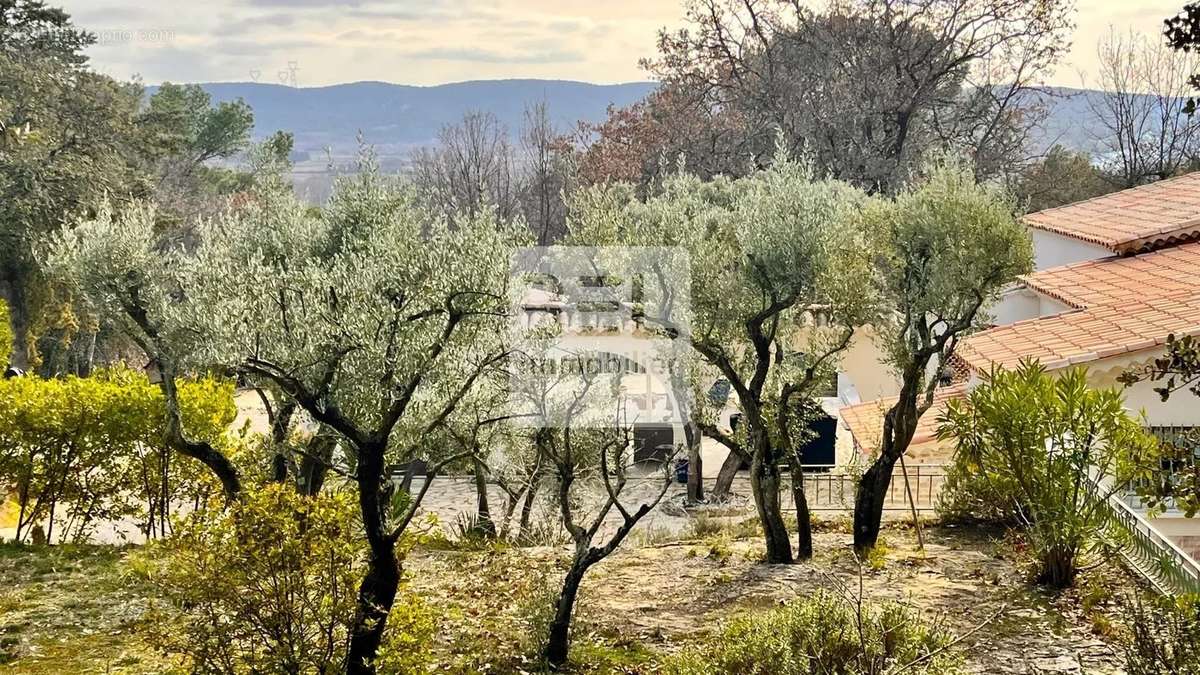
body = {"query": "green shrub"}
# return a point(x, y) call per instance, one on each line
point(1164, 636)
point(6, 335)
point(971, 497)
point(270, 585)
point(1037, 442)
point(820, 634)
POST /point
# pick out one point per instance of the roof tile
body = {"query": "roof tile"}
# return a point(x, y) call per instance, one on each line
point(1141, 218)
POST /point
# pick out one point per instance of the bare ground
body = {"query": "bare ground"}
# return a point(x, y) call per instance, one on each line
point(663, 597)
point(77, 609)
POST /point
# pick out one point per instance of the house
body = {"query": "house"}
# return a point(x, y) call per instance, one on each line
point(1115, 276)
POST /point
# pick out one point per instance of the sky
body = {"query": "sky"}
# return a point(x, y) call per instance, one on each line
point(424, 42)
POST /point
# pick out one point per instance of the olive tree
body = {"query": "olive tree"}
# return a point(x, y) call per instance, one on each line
point(586, 439)
point(374, 316)
point(377, 319)
point(130, 276)
point(780, 280)
point(949, 247)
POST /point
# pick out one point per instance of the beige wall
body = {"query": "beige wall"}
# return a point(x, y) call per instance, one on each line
point(863, 369)
point(1183, 408)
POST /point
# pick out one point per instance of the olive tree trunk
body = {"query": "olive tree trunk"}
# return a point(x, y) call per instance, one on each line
point(377, 592)
point(695, 478)
point(764, 485)
point(559, 641)
point(868, 503)
point(723, 486)
point(484, 522)
point(804, 542)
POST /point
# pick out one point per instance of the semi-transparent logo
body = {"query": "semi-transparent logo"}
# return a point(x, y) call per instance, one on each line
point(601, 336)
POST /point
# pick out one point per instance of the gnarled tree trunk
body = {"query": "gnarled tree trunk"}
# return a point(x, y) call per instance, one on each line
point(868, 503)
point(559, 643)
point(314, 466)
point(377, 592)
point(695, 478)
point(723, 486)
point(899, 426)
point(483, 510)
point(764, 484)
point(804, 542)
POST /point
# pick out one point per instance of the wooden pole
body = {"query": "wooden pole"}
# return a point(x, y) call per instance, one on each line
point(912, 505)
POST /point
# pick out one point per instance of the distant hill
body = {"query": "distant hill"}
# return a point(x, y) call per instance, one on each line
point(1070, 122)
point(395, 118)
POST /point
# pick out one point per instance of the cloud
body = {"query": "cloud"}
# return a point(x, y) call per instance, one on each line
point(89, 15)
point(477, 54)
point(310, 4)
point(414, 41)
point(253, 24)
point(255, 48)
point(176, 64)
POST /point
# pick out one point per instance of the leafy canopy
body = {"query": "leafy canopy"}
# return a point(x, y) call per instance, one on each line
point(950, 246)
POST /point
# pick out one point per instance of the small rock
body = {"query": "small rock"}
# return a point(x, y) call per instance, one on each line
point(1058, 664)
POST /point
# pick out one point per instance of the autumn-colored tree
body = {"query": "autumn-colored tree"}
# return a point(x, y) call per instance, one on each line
point(867, 88)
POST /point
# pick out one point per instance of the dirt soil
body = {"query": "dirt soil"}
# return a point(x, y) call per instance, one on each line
point(67, 609)
point(665, 596)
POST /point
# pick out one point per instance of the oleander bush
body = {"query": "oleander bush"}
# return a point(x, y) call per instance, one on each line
point(1048, 451)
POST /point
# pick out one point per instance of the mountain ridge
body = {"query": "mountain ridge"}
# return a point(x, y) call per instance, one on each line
point(394, 118)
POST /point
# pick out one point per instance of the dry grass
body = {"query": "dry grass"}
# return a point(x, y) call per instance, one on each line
point(71, 609)
point(76, 609)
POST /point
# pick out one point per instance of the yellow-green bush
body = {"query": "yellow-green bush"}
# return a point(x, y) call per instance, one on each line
point(821, 634)
point(269, 586)
point(6, 335)
point(76, 451)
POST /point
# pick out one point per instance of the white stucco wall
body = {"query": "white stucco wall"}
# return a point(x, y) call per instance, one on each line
point(1017, 304)
point(1182, 409)
point(1021, 304)
point(1053, 250)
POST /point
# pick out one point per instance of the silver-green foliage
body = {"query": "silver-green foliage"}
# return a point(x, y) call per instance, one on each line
point(825, 633)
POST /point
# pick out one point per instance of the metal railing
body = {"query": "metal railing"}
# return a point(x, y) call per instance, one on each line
point(832, 489)
point(1155, 556)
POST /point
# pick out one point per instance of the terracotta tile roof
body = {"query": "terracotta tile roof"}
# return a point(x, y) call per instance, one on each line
point(1170, 272)
point(1143, 218)
point(1122, 305)
point(865, 421)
